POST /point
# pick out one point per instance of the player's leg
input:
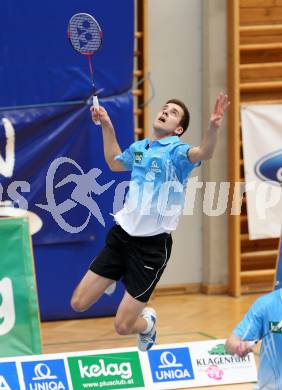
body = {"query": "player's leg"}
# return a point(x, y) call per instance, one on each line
point(89, 290)
point(134, 318)
point(146, 260)
point(106, 268)
point(128, 319)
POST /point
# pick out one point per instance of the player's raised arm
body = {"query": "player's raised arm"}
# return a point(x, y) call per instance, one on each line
point(111, 146)
point(207, 146)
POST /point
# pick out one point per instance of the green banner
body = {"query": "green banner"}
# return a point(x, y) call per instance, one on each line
point(106, 371)
point(19, 320)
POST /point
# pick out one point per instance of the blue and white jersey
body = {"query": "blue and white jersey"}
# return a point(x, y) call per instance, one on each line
point(263, 315)
point(155, 199)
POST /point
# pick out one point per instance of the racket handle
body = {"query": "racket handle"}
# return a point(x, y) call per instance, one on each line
point(96, 105)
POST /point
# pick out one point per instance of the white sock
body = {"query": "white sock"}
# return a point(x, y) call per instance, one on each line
point(150, 325)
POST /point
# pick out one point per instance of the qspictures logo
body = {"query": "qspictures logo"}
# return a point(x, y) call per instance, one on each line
point(106, 371)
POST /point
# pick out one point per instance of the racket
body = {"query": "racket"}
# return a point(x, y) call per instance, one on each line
point(85, 36)
point(275, 328)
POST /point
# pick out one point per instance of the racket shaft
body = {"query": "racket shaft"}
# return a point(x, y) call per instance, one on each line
point(96, 105)
point(254, 342)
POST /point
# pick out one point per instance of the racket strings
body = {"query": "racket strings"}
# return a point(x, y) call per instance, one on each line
point(85, 34)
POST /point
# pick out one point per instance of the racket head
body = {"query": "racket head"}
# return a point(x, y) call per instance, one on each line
point(85, 34)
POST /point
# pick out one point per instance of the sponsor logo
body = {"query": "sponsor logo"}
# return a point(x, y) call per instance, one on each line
point(215, 363)
point(155, 167)
point(138, 156)
point(8, 377)
point(274, 328)
point(222, 360)
point(45, 375)
point(7, 307)
point(219, 349)
point(269, 167)
point(214, 372)
point(7, 165)
point(115, 371)
point(171, 365)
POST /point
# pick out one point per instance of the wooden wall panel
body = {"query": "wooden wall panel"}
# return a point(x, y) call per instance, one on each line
point(255, 47)
point(260, 3)
point(264, 15)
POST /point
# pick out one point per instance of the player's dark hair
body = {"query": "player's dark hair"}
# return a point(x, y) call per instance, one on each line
point(184, 121)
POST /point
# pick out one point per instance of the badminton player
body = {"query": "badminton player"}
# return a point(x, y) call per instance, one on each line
point(260, 322)
point(138, 246)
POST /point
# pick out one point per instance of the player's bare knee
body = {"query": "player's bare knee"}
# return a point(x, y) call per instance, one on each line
point(77, 304)
point(123, 328)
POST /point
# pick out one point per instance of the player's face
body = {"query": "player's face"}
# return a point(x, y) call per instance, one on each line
point(167, 120)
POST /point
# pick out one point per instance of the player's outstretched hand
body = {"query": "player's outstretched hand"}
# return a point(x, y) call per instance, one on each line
point(100, 114)
point(220, 108)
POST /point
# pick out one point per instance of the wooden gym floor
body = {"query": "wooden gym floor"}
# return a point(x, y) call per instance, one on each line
point(181, 318)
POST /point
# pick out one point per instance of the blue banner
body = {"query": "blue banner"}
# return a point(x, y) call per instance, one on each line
point(59, 171)
point(38, 64)
point(51, 153)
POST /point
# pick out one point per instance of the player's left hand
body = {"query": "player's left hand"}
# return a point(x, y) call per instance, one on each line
point(221, 105)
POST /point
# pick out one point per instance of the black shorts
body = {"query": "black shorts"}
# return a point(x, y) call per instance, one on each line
point(138, 261)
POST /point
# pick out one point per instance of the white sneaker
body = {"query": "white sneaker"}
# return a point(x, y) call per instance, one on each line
point(147, 340)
